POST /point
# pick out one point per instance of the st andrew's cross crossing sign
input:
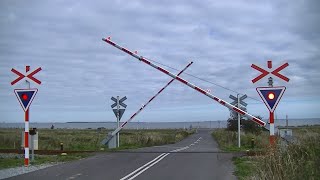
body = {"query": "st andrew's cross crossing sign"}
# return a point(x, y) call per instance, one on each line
point(120, 102)
point(274, 72)
point(29, 75)
point(235, 100)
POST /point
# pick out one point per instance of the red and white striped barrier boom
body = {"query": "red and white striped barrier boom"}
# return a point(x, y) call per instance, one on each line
point(130, 119)
point(222, 102)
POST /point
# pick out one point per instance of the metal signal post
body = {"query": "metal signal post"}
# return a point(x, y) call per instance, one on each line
point(238, 102)
point(271, 95)
point(220, 101)
point(25, 97)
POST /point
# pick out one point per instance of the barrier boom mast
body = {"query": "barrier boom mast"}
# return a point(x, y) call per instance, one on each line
point(220, 101)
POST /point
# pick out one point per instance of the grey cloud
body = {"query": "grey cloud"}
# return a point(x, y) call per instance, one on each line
point(223, 38)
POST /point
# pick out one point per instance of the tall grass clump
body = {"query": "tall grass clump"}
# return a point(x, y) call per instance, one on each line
point(228, 140)
point(144, 138)
point(297, 161)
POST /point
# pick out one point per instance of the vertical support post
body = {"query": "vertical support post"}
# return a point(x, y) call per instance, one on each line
point(271, 117)
point(26, 138)
point(118, 122)
point(272, 136)
point(32, 148)
point(239, 143)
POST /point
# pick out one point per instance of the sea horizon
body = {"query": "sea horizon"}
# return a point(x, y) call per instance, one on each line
point(150, 124)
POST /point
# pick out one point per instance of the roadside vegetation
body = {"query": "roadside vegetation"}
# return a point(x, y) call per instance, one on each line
point(82, 140)
point(89, 139)
point(299, 160)
point(14, 160)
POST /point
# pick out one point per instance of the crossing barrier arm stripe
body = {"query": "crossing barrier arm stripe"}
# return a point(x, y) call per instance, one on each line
point(130, 119)
point(222, 102)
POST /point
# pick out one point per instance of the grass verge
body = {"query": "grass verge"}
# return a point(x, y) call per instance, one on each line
point(228, 140)
point(244, 167)
point(17, 160)
point(295, 161)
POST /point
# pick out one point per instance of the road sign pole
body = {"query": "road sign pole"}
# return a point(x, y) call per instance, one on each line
point(25, 97)
point(118, 122)
point(271, 114)
point(26, 138)
point(239, 143)
point(272, 136)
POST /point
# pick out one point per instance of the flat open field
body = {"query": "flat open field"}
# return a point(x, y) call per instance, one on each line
point(89, 139)
point(82, 140)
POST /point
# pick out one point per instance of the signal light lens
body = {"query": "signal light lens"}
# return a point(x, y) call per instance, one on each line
point(271, 96)
point(24, 97)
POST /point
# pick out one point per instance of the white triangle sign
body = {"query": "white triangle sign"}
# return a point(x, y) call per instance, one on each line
point(271, 96)
point(25, 97)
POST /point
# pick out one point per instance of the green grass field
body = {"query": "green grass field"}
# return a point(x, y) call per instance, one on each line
point(89, 139)
point(83, 140)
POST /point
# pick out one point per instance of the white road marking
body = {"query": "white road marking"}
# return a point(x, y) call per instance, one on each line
point(143, 166)
point(74, 176)
point(149, 164)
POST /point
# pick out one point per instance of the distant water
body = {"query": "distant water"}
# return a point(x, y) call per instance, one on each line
point(152, 125)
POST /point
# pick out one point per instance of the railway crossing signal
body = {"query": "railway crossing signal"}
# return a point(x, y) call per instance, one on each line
point(29, 75)
point(121, 112)
point(274, 72)
point(238, 102)
point(271, 95)
point(120, 102)
point(118, 112)
point(235, 100)
point(25, 98)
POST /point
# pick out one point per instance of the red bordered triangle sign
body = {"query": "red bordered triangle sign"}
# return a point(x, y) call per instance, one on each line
point(271, 96)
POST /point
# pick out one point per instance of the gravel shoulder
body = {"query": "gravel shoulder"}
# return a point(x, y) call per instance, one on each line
point(10, 172)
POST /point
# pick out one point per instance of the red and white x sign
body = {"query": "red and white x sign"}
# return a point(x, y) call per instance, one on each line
point(274, 72)
point(29, 75)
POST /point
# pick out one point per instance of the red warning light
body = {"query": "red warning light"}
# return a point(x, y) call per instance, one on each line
point(24, 97)
point(271, 96)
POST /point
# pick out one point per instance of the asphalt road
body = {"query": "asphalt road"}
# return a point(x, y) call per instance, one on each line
point(194, 158)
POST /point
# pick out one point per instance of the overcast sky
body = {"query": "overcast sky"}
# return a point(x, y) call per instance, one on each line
point(80, 72)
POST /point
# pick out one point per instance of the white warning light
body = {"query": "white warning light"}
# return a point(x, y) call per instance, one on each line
point(271, 96)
